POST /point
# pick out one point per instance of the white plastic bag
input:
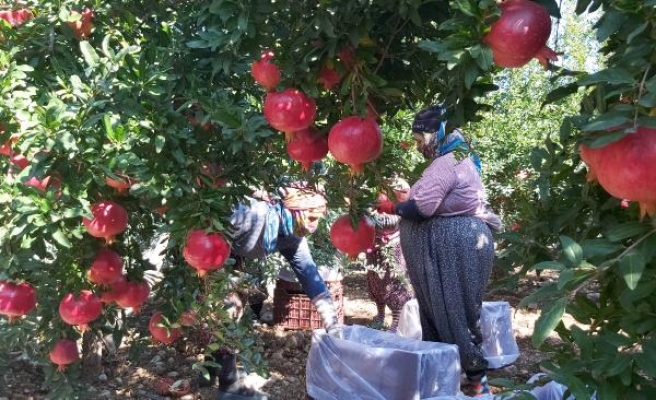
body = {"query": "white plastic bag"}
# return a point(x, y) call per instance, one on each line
point(409, 324)
point(376, 365)
point(499, 345)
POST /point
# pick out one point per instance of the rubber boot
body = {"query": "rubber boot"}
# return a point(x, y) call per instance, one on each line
point(231, 387)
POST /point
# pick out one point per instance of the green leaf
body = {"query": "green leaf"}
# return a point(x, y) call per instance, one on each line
point(583, 341)
point(599, 248)
point(551, 265)
point(607, 122)
point(620, 232)
point(610, 23)
point(631, 267)
point(560, 93)
point(89, 54)
point(572, 250)
point(61, 239)
point(547, 322)
point(614, 76)
point(546, 291)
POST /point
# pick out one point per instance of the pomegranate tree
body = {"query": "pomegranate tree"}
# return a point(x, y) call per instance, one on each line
point(106, 269)
point(81, 310)
point(625, 168)
point(289, 111)
point(355, 141)
point(16, 299)
point(109, 220)
point(266, 73)
point(205, 251)
point(352, 240)
point(309, 145)
point(520, 34)
point(160, 332)
point(64, 352)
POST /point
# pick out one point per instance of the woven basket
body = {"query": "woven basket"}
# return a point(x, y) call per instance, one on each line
point(292, 308)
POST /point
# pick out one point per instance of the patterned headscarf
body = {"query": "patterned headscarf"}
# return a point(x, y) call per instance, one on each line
point(431, 120)
point(306, 207)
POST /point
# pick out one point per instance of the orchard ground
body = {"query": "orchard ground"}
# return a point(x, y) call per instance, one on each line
point(135, 376)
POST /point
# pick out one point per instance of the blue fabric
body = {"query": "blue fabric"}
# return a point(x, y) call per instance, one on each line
point(454, 141)
point(296, 251)
point(279, 221)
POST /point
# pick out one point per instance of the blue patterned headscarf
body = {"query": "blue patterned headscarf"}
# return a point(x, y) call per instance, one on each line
point(431, 120)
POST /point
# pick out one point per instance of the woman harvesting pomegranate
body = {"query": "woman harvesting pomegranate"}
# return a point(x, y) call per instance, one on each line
point(447, 242)
point(262, 226)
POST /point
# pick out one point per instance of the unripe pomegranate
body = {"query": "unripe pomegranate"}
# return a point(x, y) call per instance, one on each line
point(160, 332)
point(349, 240)
point(205, 251)
point(355, 141)
point(308, 146)
point(16, 299)
point(80, 311)
point(625, 168)
point(106, 269)
point(109, 220)
point(266, 73)
point(289, 111)
point(520, 34)
point(64, 353)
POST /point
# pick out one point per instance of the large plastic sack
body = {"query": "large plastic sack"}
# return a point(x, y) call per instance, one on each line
point(499, 345)
point(375, 365)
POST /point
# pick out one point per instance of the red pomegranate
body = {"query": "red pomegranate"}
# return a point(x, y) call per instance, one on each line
point(308, 146)
point(205, 251)
point(79, 311)
point(122, 184)
point(328, 77)
point(347, 55)
point(266, 73)
point(214, 173)
point(106, 269)
point(131, 294)
point(16, 299)
point(20, 161)
point(160, 332)
point(350, 240)
point(520, 34)
point(65, 352)
point(109, 220)
point(16, 18)
point(82, 27)
point(355, 141)
point(116, 290)
point(625, 168)
point(289, 111)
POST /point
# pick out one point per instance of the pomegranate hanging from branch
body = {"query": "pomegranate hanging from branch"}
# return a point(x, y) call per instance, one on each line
point(520, 34)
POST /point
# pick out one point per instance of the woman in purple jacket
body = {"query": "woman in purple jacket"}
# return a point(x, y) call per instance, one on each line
point(447, 242)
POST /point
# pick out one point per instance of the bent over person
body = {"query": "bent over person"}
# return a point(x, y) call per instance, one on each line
point(447, 242)
point(263, 226)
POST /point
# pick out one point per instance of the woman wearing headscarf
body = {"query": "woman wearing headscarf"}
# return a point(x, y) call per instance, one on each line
point(261, 226)
point(447, 242)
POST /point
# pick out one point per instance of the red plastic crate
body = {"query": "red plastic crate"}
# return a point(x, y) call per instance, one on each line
point(292, 308)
